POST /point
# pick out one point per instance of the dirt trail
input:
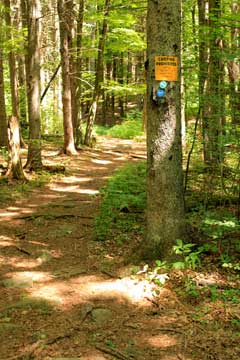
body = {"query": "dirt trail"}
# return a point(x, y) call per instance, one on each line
point(58, 299)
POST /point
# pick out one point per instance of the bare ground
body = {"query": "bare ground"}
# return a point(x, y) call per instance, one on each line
point(64, 296)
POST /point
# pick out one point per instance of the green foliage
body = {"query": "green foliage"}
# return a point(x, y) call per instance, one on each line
point(130, 128)
point(4, 153)
point(124, 39)
point(124, 200)
point(190, 258)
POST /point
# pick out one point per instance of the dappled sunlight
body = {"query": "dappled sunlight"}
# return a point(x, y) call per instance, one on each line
point(132, 290)
point(161, 341)
point(58, 291)
point(51, 293)
point(88, 288)
point(6, 241)
point(103, 162)
point(32, 276)
point(17, 262)
point(72, 188)
point(75, 179)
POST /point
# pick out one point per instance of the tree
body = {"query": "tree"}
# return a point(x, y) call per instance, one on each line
point(99, 74)
point(64, 13)
point(165, 205)
point(15, 169)
point(32, 12)
point(3, 115)
point(10, 28)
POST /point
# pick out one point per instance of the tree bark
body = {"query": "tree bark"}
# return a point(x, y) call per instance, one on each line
point(234, 70)
point(3, 115)
point(165, 204)
point(213, 100)
point(63, 13)
point(33, 16)
point(15, 169)
point(78, 126)
point(13, 67)
point(98, 77)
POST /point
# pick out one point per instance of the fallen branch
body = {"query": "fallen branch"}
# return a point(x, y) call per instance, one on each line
point(114, 352)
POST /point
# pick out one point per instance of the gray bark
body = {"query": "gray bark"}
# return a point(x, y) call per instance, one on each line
point(33, 14)
point(165, 203)
point(63, 13)
point(3, 115)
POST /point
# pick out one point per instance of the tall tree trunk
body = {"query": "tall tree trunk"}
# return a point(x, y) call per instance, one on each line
point(33, 15)
point(234, 69)
point(203, 70)
point(165, 205)
point(212, 150)
point(99, 76)
point(12, 67)
point(63, 13)
point(3, 115)
point(78, 126)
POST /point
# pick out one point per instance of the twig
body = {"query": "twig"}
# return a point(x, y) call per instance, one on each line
point(114, 352)
point(152, 301)
point(23, 251)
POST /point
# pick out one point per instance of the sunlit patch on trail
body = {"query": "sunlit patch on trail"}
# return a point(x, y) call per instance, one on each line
point(75, 179)
point(17, 262)
point(6, 241)
point(30, 276)
point(73, 188)
point(88, 288)
point(103, 162)
point(161, 340)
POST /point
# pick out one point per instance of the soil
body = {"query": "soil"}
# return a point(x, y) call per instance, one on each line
point(66, 296)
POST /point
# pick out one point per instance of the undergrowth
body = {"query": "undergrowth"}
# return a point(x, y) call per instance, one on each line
point(216, 230)
point(130, 128)
point(124, 201)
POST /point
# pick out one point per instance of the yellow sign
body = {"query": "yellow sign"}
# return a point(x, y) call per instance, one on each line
point(166, 68)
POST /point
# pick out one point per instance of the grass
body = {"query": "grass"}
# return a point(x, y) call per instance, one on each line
point(124, 201)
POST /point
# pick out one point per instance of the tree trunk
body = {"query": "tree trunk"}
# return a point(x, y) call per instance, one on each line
point(63, 13)
point(3, 115)
point(15, 169)
point(12, 68)
point(99, 76)
point(78, 129)
point(165, 204)
point(213, 101)
point(234, 70)
point(33, 16)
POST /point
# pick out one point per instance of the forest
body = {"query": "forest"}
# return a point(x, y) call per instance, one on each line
point(119, 179)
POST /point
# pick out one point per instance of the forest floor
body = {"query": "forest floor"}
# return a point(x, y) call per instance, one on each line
point(65, 296)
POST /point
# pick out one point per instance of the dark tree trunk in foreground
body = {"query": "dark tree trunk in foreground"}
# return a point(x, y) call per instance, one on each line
point(165, 204)
point(63, 13)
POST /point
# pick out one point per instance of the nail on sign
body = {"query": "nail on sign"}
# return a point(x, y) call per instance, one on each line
point(166, 68)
